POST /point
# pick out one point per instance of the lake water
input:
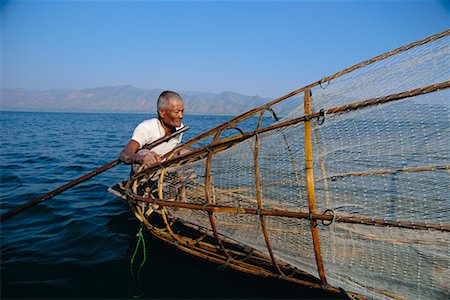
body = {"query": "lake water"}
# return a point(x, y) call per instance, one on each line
point(79, 244)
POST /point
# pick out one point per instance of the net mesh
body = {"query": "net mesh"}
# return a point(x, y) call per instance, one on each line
point(382, 168)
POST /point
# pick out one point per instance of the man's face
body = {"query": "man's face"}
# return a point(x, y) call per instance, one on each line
point(173, 115)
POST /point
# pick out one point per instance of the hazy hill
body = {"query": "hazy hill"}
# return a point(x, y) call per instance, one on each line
point(123, 99)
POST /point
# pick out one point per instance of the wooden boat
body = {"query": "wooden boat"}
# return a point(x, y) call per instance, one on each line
point(346, 190)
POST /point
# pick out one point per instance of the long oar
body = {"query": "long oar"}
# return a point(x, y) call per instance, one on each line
point(85, 177)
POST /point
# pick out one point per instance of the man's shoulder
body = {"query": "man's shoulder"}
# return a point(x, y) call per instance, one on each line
point(149, 122)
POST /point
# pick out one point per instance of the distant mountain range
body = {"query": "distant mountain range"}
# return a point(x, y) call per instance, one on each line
point(123, 99)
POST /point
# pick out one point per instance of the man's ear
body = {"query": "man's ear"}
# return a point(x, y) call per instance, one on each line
point(161, 112)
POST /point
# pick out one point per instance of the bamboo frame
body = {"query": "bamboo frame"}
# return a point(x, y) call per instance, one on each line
point(260, 267)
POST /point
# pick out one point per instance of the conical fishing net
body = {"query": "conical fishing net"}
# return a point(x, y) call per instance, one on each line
point(346, 179)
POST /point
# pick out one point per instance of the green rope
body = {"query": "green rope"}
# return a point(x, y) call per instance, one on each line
point(140, 241)
point(225, 265)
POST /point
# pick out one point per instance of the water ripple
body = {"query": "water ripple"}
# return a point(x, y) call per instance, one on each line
point(78, 244)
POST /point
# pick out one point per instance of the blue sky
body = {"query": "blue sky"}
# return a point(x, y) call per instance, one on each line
point(265, 48)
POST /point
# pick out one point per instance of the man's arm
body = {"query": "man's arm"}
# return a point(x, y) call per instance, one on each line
point(129, 155)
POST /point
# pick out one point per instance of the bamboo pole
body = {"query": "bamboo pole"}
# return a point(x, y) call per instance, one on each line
point(235, 210)
point(321, 158)
point(298, 215)
point(59, 190)
point(84, 177)
point(310, 187)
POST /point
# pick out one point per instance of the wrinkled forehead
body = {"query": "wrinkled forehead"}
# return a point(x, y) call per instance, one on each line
point(175, 104)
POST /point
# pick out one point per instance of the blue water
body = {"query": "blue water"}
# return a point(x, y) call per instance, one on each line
point(78, 245)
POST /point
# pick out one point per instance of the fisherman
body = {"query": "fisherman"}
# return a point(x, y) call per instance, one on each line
point(170, 109)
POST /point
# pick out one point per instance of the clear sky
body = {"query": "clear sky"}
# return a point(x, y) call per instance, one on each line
point(265, 48)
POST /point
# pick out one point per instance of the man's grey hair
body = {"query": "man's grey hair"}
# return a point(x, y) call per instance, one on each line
point(166, 98)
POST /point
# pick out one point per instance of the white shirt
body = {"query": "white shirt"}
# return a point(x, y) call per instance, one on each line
point(149, 131)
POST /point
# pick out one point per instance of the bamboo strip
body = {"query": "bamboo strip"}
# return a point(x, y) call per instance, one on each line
point(386, 99)
point(310, 187)
point(247, 188)
point(169, 229)
point(364, 235)
point(161, 181)
point(385, 55)
point(208, 188)
point(259, 196)
point(255, 253)
point(293, 162)
point(385, 172)
point(392, 223)
point(232, 209)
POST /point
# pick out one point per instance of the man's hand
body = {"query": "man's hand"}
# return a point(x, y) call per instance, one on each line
point(148, 158)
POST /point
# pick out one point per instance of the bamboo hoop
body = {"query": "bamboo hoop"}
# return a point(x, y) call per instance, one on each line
point(259, 196)
point(208, 188)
